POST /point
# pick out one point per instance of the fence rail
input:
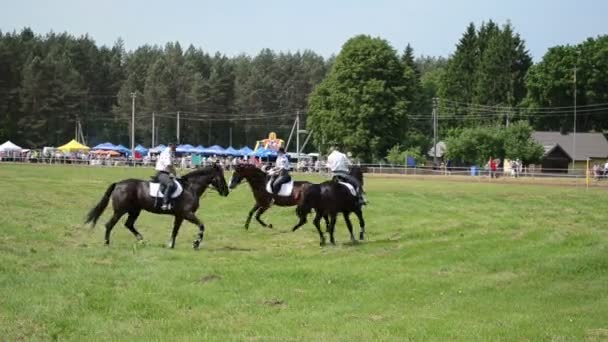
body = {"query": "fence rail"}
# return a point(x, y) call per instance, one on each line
point(528, 172)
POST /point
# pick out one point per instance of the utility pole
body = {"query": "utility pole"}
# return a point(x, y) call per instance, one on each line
point(133, 95)
point(177, 127)
point(574, 132)
point(298, 137)
point(153, 123)
point(435, 131)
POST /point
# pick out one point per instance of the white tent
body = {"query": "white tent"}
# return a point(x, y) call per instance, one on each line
point(10, 147)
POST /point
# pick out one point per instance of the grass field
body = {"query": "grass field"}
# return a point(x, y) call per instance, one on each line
point(443, 261)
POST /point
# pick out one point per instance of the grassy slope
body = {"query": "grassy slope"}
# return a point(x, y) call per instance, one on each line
point(443, 260)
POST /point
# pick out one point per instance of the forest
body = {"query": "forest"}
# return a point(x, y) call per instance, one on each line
point(369, 98)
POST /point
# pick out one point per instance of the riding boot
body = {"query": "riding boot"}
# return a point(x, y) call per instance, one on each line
point(167, 195)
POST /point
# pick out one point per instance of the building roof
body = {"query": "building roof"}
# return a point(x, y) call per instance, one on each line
point(550, 148)
point(588, 145)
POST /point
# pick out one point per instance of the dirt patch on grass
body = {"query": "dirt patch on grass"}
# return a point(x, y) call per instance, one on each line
point(274, 302)
point(210, 278)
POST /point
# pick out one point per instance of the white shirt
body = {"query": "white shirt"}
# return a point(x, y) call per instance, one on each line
point(165, 159)
point(337, 161)
point(606, 166)
point(282, 163)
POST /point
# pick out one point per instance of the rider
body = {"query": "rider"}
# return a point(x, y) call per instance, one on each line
point(280, 172)
point(165, 173)
point(338, 163)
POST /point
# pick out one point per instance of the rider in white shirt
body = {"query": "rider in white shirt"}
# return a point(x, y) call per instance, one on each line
point(165, 173)
point(339, 164)
point(280, 171)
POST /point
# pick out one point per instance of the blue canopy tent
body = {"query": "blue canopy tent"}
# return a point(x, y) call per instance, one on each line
point(105, 146)
point(265, 153)
point(245, 151)
point(123, 150)
point(141, 149)
point(158, 149)
point(198, 149)
point(215, 149)
point(187, 148)
point(232, 152)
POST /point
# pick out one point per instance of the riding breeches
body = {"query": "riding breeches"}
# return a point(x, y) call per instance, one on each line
point(281, 179)
point(166, 181)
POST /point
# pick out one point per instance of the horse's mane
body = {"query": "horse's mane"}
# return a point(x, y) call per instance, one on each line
point(203, 171)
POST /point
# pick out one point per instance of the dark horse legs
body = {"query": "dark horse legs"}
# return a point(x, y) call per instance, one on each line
point(130, 224)
point(361, 223)
point(111, 223)
point(258, 217)
point(332, 228)
point(349, 225)
point(177, 222)
point(317, 222)
point(251, 212)
point(190, 217)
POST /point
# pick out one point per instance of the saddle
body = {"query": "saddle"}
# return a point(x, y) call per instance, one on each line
point(346, 184)
point(286, 188)
point(155, 190)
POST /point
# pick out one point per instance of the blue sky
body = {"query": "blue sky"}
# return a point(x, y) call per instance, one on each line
point(432, 27)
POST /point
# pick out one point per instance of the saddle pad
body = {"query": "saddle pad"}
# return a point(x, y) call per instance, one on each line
point(350, 188)
point(155, 190)
point(285, 188)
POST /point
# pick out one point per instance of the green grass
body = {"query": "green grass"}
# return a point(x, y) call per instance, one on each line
point(443, 261)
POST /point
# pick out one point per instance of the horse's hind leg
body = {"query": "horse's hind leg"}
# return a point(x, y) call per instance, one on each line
point(361, 223)
point(130, 224)
point(317, 222)
point(258, 217)
point(302, 215)
point(349, 225)
point(111, 223)
point(332, 228)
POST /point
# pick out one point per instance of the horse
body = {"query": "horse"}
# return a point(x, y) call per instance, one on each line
point(257, 180)
point(328, 199)
point(131, 196)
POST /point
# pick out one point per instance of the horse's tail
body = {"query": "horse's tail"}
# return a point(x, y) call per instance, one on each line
point(309, 195)
point(96, 212)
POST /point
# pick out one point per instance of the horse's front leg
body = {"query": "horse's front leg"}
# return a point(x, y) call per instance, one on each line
point(190, 217)
point(258, 217)
point(251, 212)
point(177, 222)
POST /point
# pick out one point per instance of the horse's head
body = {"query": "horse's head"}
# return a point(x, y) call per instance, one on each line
point(356, 172)
point(242, 171)
point(219, 181)
point(213, 175)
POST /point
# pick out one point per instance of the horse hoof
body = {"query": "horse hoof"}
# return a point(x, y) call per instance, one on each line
point(196, 244)
point(170, 245)
point(360, 236)
point(269, 226)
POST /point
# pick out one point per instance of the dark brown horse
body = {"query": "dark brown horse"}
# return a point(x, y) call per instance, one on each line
point(131, 196)
point(329, 199)
point(257, 179)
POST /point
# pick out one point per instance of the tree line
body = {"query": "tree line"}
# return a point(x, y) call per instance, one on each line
point(369, 98)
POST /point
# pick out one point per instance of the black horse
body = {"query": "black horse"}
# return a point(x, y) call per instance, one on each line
point(328, 199)
point(130, 196)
